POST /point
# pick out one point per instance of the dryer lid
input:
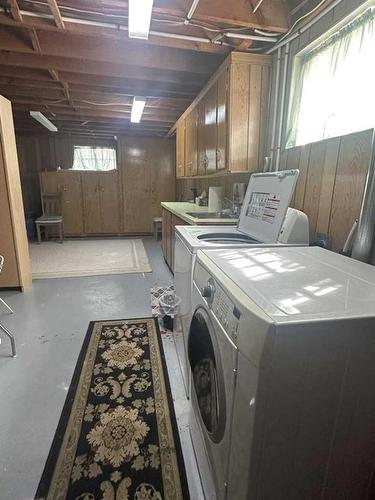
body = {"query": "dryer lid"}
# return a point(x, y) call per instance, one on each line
point(265, 205)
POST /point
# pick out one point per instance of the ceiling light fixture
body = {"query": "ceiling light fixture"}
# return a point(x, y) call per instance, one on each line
point(39, 117)
point(137, 109)
point(139, 18)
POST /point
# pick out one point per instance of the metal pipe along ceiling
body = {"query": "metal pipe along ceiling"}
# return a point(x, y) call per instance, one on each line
point(364, 241)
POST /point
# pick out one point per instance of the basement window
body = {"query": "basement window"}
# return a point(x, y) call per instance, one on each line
point(333, 85)
point(94, 158)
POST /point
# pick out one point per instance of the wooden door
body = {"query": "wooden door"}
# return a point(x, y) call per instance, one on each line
point(211, 129)
point(201, 132)
point(136, 181)
point(180, 149)
point(109, 202)
point(191, 154)
point(222, 129)
point(69, 184)
point(91, 203)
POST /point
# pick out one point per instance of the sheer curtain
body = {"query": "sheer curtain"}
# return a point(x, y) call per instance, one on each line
point(335, 91)
point(94, 158)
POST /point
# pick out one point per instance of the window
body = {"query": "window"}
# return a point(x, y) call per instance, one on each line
point(94, 158)
point(334, 85)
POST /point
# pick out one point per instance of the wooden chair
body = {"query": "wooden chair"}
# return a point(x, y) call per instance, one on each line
point(52, 215)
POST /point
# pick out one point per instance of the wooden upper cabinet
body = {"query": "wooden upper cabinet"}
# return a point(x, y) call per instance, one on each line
point(211, 128)
point(109, 202)
point(91, 203)
point(191, 151)
point(201, 132)
point(180, 149)
point(222, 129)
point(232, 113)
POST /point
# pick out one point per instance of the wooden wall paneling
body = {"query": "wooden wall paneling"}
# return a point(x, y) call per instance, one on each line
point(328, 184)
point(283, 160)
point(265, 113)
point(222, 123)
point(91, 203)
point(255, 94)
point(14, 220)
point(109, 202)
point(313, 185)
point(70, 185)
point(301, 183)
point(352, 168)
point(239, 116)
point(293, 159)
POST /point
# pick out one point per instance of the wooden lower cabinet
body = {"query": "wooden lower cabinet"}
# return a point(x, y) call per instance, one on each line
point(170, 221)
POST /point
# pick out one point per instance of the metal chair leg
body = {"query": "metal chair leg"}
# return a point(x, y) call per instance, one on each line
point(6, 305)
point(12, 341)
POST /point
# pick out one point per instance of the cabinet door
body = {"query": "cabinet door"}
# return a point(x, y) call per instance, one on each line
point(49, 182)
point(168, 236)
point(191, 155)
point(211, 129)
point(222, 129)
point(109, 203)
point(69, 184)
point(201, 147)
point(91, 203)
point(180, 149)
point(136, 182)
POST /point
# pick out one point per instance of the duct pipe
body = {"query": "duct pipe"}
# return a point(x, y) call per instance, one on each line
point(276, 102)
point(282, 105)
point(251, 37)
point(363, 247)
point(288, 38)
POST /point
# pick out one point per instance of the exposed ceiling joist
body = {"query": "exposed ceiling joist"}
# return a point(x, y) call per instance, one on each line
point(56, 14)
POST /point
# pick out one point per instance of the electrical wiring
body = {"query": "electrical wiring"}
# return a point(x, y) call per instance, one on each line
point(301, 19)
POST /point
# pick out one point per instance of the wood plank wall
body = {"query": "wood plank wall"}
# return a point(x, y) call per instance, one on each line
point(39, 152)
point(333, 172)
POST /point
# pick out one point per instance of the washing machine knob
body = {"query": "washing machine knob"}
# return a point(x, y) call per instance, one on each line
point(207, 291)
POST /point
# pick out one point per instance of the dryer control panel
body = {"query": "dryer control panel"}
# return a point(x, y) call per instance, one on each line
point(226, 312)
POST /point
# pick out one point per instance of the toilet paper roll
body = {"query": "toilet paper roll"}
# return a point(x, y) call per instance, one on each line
point(215, 198)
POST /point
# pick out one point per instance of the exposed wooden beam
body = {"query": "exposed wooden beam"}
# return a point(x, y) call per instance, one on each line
point(15, 10)
point(35, 41)
point(56, 14)
point(123, 53)
point(110, 33)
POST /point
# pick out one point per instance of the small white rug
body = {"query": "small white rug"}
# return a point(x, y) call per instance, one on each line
point(88, 258)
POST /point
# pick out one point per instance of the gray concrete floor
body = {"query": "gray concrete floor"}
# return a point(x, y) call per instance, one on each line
point(49, 324)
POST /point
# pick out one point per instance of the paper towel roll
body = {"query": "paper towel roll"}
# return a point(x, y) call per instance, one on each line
point(215, 198)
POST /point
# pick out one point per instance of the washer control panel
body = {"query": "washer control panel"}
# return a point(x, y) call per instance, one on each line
point(226, 312)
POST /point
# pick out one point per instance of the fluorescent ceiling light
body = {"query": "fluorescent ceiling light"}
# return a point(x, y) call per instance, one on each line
point(139, 18)
point(137, 109)
point(38, 116)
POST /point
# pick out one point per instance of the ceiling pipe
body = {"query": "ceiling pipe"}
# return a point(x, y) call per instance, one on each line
point(251, 37)
point(275, 105)
point(257, 6)
point(117, 27)
point(193, 8)
point(282, 107)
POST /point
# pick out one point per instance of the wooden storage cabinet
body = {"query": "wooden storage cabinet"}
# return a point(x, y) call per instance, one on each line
point(191, 144)
point(13, 239)
point(232, 113)
point(169, 222)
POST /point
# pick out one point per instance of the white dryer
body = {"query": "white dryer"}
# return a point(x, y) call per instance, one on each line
point(282, 350)
point(265, 220)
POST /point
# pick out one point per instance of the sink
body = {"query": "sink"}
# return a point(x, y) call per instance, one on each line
point(210, 215)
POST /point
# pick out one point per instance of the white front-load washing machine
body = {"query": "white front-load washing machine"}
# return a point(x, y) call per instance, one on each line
point(282, 349)
point(265, 220)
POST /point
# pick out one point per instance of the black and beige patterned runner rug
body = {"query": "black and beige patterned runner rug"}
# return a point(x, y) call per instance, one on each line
point(117, 438)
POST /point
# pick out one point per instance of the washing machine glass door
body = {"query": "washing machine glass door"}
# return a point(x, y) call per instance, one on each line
point(207, 374)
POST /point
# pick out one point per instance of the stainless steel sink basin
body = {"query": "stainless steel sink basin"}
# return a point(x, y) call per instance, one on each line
point(210, 215)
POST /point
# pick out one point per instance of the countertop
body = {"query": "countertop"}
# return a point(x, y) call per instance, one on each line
point(180, 208)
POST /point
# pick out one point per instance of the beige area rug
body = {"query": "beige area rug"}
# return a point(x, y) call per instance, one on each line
point(88, 258)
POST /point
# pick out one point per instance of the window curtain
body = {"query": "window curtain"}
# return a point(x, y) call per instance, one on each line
point(334, 93)
point(94, 158)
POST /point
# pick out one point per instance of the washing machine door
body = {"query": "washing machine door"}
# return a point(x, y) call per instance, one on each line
point(207, 375)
